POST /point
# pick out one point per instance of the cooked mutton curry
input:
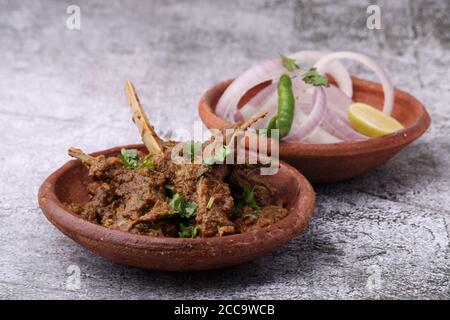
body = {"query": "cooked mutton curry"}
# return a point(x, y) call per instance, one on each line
point(161, 198)
point(149, 194)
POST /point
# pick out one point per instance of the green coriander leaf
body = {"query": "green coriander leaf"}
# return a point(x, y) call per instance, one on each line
point(129, 153)
point(129, 158)
point(249, 199)
point(190, 209)
point(147, 163)
point(288, 63)
point(314, 78)
point(219, 157)
point(210, 203)
point(184, 208)
point(177, 202)
point(187, 231)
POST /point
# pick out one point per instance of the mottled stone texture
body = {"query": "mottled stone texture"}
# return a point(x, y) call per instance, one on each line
point(58, 88)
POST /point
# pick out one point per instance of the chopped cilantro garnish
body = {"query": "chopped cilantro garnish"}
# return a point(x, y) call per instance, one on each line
point(288, 63)
point(316, 79)
point(190, 209)
point(246, 200)
point(130, 159)
point(184, 208)
point(177, 202)
point(147, 163)
point(187, 231)
point(249, 199)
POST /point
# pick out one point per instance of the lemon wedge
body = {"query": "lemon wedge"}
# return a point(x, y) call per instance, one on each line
point(371, 122)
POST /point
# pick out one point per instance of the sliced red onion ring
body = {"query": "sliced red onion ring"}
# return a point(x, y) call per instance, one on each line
point(315, 117)
point(335, 100)
point(303, 100)
point(335, 117)
point(264, 71)
point(270, 92)
point(339, 128)
point(322, 66)
point(271, 102)
point(335, 68)
point(238, 117)
point(338, 102)
point(320, 136)
point(271, 70)
point(326, 120)
point(271, 106)
point(254, 104)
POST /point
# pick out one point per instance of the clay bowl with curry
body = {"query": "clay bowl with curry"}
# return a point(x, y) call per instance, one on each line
point(135, 206)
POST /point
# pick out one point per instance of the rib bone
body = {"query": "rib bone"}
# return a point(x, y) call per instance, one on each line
point(80, 155)
point(247, 124)
point(240, 126)
point(148, 134)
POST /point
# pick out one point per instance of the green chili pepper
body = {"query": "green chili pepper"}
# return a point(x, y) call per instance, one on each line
point(286, 103)
point(272, 124)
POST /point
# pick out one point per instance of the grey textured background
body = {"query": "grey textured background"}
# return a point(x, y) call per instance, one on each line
point(60, 88)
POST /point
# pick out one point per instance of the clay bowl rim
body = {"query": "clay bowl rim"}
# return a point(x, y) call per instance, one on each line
point(52, 206)
point(396, 139)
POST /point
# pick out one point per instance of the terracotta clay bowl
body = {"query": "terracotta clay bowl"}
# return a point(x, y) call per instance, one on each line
point(67, 185)
point(324, 163)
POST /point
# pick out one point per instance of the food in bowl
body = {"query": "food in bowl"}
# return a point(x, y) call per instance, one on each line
point(150, 194)
point(302, 105)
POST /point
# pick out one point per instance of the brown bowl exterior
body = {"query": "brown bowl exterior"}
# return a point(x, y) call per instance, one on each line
point(67, 184)
point(325, 163)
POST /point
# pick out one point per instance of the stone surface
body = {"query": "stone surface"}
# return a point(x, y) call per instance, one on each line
point(382, 235)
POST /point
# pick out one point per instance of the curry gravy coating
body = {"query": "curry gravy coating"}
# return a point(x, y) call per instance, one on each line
point(157, 197)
